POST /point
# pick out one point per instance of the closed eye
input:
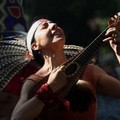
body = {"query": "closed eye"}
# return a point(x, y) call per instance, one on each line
point(44, 25)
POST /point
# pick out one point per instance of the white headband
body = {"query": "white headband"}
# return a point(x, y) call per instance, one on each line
point(31, 33)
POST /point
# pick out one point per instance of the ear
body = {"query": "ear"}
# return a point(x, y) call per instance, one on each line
point(35, 46)
point(29, 55)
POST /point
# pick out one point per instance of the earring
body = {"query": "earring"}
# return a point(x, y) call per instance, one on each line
point(53, 55)
point(39, 52)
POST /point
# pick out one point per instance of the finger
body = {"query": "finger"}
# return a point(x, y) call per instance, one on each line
point(110, 31)
point(61, 68)
point(58, 69)
point(111, 21)
point(114, 19)
point(112, 41)
point(115, 16)
point(108, 39)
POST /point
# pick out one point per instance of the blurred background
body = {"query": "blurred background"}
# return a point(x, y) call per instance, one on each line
point(82, 21)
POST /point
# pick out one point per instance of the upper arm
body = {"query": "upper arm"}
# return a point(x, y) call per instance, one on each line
point(107, 84)
point(25, 92)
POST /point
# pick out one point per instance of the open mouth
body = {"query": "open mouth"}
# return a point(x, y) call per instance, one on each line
point(57, 33)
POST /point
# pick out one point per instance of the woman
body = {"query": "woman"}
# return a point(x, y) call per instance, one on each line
point(47, 39)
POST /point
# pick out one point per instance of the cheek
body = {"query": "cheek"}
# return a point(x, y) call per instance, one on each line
point(44, 38)
point(44, 41)
point(44, 35)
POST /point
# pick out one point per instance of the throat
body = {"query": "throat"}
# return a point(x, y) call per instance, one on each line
point(55, 60)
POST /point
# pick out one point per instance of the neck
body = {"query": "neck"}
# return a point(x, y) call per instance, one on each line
point(51, 61)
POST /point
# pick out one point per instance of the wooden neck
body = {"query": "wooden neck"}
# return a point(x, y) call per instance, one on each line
point(82, 59)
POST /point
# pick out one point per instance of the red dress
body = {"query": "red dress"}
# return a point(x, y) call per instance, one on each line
point(62, 114)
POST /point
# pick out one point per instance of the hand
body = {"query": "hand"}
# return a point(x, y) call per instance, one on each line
point(57, 79)
point(113, 33)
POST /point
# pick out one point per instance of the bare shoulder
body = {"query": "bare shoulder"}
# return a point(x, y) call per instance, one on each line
point(98, 71)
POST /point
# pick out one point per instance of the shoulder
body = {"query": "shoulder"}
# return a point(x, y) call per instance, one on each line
point(30, 81)
point(95, 70)
point(32, 84)
point(92, 74)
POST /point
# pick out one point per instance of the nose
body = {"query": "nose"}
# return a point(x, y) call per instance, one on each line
point(53, 26)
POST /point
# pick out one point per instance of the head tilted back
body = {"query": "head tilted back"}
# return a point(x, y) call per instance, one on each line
point(13, 54)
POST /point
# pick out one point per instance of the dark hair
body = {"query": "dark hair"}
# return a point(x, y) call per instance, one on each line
point(40, 17)
point(37, 57)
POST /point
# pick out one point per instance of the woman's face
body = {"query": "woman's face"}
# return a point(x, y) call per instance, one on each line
point(49, 34)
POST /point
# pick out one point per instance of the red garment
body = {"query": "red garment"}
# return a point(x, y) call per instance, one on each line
point(15, 84)
point(90, 114)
